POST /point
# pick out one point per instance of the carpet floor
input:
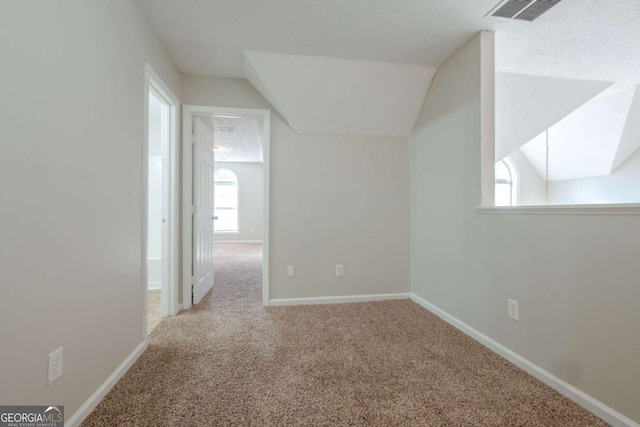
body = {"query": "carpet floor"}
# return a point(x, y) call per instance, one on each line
point(229, 361)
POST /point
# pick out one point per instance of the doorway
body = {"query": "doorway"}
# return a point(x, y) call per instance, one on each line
point(238, 209)
point(226, 188)
point(160, 240)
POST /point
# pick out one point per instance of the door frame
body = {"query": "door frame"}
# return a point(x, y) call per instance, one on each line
point(189, 111)
point(171, 232)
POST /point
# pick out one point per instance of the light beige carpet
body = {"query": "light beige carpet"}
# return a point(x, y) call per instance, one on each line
point(154, 313)
point(229, 361)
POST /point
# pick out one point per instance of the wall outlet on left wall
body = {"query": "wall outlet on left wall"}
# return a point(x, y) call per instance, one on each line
point(55, 365)
point(513, 309)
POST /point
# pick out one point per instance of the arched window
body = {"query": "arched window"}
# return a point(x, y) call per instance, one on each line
point(225, 201)
point(506, 183)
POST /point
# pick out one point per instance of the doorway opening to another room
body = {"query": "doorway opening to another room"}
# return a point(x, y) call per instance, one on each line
point(160, 296)
point(226, 177)
point(238, 206)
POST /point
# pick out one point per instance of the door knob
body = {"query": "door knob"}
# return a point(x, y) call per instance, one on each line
point(215, 217)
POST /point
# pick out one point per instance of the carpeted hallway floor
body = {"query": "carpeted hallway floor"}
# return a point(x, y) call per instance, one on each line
point(229, 361)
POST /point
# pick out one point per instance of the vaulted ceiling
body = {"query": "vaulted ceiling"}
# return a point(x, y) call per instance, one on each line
point(592, 127)
point(338, 96)
point(307, 57)
point(589, 39)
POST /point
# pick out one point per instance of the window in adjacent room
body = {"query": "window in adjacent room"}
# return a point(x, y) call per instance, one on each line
point(225, 201)
point(506, 193)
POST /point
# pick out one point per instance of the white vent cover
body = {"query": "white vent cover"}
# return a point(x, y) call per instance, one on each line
point(524, 10)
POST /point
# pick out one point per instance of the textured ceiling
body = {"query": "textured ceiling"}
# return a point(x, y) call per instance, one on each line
point(208, 36)
point(237, 139)
point(319, 95)
point(527, 105)
point(579, 39)
point(586, 39)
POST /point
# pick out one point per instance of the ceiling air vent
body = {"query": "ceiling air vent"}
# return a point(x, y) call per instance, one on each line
point(524, 10)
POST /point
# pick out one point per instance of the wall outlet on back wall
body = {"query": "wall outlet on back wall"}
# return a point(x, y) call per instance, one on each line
point(513, 309)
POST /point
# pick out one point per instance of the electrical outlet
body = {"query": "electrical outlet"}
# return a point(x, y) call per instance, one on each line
point(291, 271)
point(55, 365)
point(339, 270)
point(513, 309)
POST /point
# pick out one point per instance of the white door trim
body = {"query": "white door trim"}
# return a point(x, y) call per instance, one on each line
point(153, 80)
point(189, 111)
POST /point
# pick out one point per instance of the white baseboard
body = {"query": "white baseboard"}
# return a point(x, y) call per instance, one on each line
point(237, 241)
point(593, 405)
point(338, 299)
point(154, 286)
point(93, 400)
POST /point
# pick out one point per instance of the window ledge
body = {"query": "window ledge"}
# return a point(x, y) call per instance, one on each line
point(226, 232)
point(596, 209)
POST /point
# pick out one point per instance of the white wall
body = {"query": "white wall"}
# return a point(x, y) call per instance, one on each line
point(250, 201)
point(530, 186)
point(575, 276)
point(71, 237)
point(622, 186)
point(335, 199)
point(154, 223)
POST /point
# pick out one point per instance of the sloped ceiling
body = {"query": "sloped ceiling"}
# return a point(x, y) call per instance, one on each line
point(630, 141)
point(592, 39)
point(586, 142)
point(319, 95)
point(527, 105)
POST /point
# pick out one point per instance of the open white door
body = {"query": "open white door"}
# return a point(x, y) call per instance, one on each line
point(203, 204)
point(198, 200)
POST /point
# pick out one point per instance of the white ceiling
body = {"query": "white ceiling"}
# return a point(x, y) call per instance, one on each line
point(208, 36)
point(577, 39)
point(587, 142)
point(320, 95)
point(586, 39)
point(630, 140)
point(527, 105)
point(237, 139)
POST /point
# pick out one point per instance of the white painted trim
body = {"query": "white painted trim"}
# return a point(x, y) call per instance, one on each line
point(85, 409)
point(487, 117)
point(187, 190)
point(187, 206)
point(154, 286)
point(600, 209)
point(339, 299)
point(152, 81)
point(593, 405)
point(238, 241)
point(266, 178)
